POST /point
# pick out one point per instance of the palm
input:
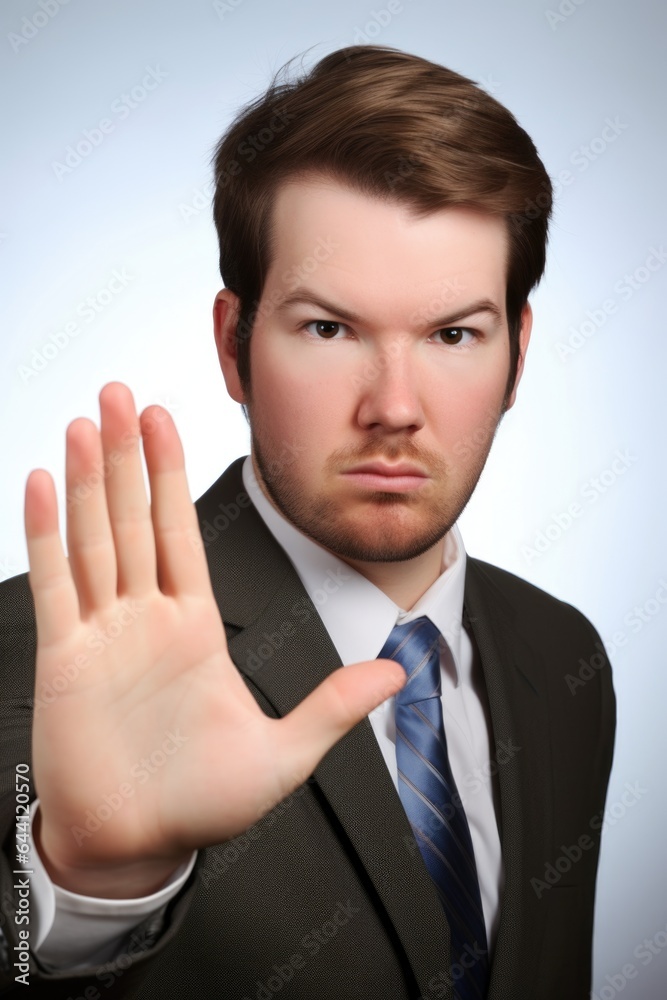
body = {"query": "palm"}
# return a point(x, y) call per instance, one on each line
point(146, 741)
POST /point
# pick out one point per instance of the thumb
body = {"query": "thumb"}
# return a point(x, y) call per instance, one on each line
point(336, 705)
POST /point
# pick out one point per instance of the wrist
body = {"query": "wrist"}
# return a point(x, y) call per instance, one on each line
point(116, 880)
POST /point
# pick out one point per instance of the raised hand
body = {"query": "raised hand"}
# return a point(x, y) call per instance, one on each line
point(132, 666)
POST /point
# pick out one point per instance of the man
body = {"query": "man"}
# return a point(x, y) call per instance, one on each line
point(229, 811)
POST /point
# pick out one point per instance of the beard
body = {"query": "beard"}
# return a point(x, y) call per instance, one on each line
point(374, 526)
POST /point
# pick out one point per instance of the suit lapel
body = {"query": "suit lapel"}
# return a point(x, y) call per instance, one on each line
point(516, 690)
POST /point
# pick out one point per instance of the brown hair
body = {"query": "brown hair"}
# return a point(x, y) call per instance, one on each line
point(391, 125)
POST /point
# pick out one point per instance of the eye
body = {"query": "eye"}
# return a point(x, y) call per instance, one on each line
point(325, 329)
point(456, 335)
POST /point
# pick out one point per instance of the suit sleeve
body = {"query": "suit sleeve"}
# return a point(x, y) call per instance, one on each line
point(143, 947)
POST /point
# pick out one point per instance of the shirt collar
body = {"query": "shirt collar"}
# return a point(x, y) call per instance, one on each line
point(339, 592)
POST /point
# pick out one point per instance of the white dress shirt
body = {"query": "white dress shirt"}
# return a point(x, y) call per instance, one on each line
point(74, 930)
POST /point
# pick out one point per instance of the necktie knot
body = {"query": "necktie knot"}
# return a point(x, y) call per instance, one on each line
point(414, 645)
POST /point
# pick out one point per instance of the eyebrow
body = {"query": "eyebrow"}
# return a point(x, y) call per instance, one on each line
point(304, 296)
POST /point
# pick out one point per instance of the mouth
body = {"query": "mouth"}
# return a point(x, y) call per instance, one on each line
point(400, 477)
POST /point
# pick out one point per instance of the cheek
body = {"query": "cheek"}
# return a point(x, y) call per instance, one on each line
point(467, 403)
point(293, 386)
point(290, 404)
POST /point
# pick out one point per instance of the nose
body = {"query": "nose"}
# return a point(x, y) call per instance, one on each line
point(389, 396)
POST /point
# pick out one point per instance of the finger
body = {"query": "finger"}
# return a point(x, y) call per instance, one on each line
point(182, 566)
point(332, 709)
point(50, 578)
point(90, 542)
point(129, 511)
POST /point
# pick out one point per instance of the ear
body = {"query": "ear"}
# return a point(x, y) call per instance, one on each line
point(524, 339)
point(225, 318)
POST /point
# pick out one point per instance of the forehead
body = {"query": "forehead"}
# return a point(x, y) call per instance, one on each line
point(379, 252)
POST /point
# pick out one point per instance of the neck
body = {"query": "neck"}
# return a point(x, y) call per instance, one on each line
point(404, 582)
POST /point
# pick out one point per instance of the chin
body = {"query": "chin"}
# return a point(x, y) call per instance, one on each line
point(380, 542)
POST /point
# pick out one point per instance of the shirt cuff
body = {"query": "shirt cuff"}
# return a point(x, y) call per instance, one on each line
point(74, 930)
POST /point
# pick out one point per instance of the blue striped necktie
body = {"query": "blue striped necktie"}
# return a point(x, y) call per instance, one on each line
point(428, 792)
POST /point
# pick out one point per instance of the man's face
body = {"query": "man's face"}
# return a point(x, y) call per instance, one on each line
point(379, 362)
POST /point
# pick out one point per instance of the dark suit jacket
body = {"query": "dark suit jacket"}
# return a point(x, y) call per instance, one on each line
point(326, 897)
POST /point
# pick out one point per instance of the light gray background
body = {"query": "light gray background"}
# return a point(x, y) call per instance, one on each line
point(139, 204)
